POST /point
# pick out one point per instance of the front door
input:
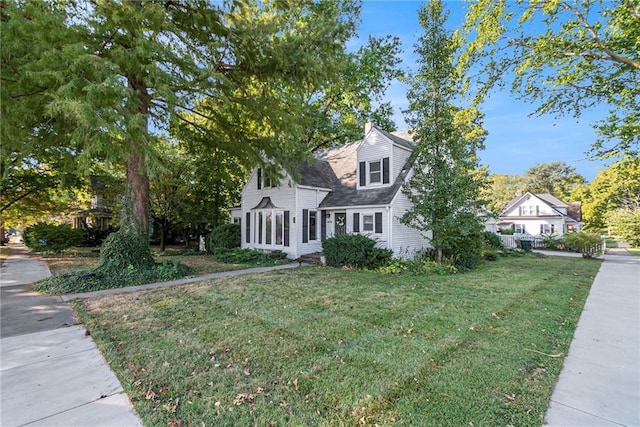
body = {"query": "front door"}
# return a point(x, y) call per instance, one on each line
point(341, 223)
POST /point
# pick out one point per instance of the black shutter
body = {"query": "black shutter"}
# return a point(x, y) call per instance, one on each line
point(313, 215)
point(363, 174)
point(260, 227)
point(356, 222)
point(259, 178)
point(385, 170)
point(247, 228)
point(323, 225)
point(378, 224)
point(305, 225)
point(286, 228)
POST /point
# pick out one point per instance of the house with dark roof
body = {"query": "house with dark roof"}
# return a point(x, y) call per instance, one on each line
point(535, 214)
point(355, 188)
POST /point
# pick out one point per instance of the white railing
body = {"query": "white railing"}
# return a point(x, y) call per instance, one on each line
point(512, 241)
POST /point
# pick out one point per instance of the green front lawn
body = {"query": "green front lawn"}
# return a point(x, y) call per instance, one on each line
point(321, 346)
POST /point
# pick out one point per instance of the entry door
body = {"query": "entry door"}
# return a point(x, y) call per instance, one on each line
point(341, 223)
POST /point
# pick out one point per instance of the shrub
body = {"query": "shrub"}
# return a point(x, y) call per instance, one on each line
point(226, 236)
point(354, 250)
point(489, 254)
point(466, 252)
point(249, 256)
point(491, 240)
point(122, 250)
point(94, 236)
point(551, 241)
point(44, 236)
point(506, 231)
point(588, 244)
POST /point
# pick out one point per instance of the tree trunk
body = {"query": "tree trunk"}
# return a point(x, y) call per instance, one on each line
point(138, 188)
point(163, 234)
point(137, 177)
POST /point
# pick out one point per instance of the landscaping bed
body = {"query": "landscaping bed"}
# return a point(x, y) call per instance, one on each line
point(323, 346)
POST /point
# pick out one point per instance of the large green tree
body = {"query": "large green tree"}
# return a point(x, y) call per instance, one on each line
point(500, 190)
point(566, 56)
point(444, 184)
point(122, 73)
point(616, 187)
point(557, 178)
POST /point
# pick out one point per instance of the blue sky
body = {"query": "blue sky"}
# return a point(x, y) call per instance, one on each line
point(516, 140)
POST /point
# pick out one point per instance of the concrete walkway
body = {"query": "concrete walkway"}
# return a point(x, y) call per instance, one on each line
point(600, 382)
point(51, 371)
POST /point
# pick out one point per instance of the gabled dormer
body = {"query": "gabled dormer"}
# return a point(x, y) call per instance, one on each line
point(380, 157)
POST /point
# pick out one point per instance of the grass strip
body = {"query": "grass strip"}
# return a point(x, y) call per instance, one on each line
point(320, 346)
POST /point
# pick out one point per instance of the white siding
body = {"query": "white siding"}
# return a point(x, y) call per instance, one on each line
point(375, 147)
point(307, 198)
point(382, 239)
point(282, 196)
point(532, 202)
point(399, 159)
point(532, 213)
point(406, 241)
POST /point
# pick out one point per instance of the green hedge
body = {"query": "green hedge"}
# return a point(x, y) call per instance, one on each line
point(47, 237)
point(354, 250)
point(226, 236)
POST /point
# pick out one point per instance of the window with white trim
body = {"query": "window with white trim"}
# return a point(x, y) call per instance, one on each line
point(519, 228)
point(375, 172)
point(367, 222)
point(547, 228)
point(528, 210)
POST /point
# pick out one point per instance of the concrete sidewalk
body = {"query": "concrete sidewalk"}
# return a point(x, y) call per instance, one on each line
point(51, 371)
point(600, 382)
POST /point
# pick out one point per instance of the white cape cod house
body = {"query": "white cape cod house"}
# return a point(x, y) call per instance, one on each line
point(535, 214)
point(355, 188)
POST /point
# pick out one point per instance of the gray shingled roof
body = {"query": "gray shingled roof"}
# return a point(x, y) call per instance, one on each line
point(336, 168)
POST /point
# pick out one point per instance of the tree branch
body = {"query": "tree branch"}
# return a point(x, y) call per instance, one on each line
point(612, 56)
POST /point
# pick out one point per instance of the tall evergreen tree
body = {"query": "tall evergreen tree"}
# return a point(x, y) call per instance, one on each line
point(445, 182)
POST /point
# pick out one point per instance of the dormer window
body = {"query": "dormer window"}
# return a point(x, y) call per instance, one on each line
point(375, 172)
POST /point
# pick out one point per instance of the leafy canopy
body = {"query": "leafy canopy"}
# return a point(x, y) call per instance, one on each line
point(585, 55)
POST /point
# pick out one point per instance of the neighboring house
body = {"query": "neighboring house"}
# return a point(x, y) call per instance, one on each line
point(97, 217)
point(355, 188)
point(536, 214)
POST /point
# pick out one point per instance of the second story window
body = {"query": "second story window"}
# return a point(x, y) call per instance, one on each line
point(528, 210)
point(375, 172)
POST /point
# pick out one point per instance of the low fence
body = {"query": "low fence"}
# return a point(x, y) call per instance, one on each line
point(513, 241)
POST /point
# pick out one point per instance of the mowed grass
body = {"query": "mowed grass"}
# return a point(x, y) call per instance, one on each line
point(321, 346)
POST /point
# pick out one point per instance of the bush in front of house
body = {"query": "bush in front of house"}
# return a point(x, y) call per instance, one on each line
point(491, 240)
point(588, 244)
point(249, 256)
point(354, 250)
point(47, 237)
point(226, 236)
